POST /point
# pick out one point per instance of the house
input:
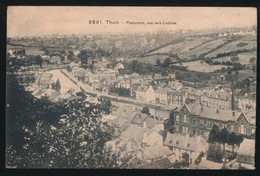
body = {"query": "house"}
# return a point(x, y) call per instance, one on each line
point(119, 66)
point(161, 163)
point(138, 137)
point(158, 78)
point(119, 125)
point(175, 85)
point(45, 81)
point(183, 143)
point(136, 79)
point(45, 58)
point(194, 119)
point(245, 103)
point(161, 95)
point(126, 111)
point(55, 60)
point(219, 99)
point(145, 94)
point(154, 152)
point(245, 156)
point(175, 97)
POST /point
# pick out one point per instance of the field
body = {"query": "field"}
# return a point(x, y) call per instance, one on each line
point(201, 67)
point(181, 47)
point(232, 47)
point(206, 47)
point(244, 58)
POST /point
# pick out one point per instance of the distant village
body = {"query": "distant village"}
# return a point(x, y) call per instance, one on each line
point(165, 122)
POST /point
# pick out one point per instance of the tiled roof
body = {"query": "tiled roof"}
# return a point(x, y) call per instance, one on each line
point(143, 88)
point(163, 163)
point(156, 151)
point(251, 116)
point(207, 112)
point(247, 148)
point(121, 123)
point(184, 141)
point(162, 90)
point(139, 118)
point(126, 111)
point(151, 122)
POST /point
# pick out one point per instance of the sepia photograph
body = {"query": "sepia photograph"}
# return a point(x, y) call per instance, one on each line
point(117, 87)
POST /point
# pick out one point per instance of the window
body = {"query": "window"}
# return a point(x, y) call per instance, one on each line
point(232, 128)
point(177, 127)
point(185, 119)
point(177, 118)
point(242, 129)
point(253, 130)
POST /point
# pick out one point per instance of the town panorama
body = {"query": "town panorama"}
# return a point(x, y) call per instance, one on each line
point(183, 99)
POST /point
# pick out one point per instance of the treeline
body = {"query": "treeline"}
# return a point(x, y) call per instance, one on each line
point(229, 53)
point(120, 91)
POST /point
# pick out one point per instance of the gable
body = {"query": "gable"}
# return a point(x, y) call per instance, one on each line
point(242, 119)
point(184, 109)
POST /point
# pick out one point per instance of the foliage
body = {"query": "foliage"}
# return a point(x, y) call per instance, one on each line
point(158, 62)
point(166, 62)
point(120, 91)
point(214, 134)
point(66, 134)
point(214, 152)
point(145, 110)
point(165, 73)
point(252, 60)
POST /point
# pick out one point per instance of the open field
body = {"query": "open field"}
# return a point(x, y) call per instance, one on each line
point(244, 58)
point(181, 47)
point(232, 47)
point(201, 67)
point(206, 47)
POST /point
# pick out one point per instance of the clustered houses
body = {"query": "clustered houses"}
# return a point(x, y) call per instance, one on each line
point(194, 119)
point(217, 99)
point(246, 103)
point(145, 93)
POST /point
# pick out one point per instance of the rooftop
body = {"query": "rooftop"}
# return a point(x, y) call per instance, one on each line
point(184, 141)
point(212, 113)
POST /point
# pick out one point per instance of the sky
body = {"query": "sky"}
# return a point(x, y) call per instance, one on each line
point(46, 20)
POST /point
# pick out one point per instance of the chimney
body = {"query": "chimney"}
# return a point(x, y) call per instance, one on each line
point(233, 113)
point(217, 111)
point(201, 108)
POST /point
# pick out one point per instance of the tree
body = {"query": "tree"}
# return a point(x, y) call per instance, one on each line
point(254, 68)
point(234, 58)
point(239, 139)
point(186, 159)
point(223, 137)
point(214, 152)
point(57, 85)
point(166, 62)
point(165, 73)
point(252, 60)
point(214, 134)
point(146, 110)
point(65, 134)
point(232, 140)
point(38, 60)
point(158, 62)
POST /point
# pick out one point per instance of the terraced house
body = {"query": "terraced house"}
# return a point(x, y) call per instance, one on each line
point(194, 119)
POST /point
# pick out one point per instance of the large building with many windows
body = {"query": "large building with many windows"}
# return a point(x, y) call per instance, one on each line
point(194, 119)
